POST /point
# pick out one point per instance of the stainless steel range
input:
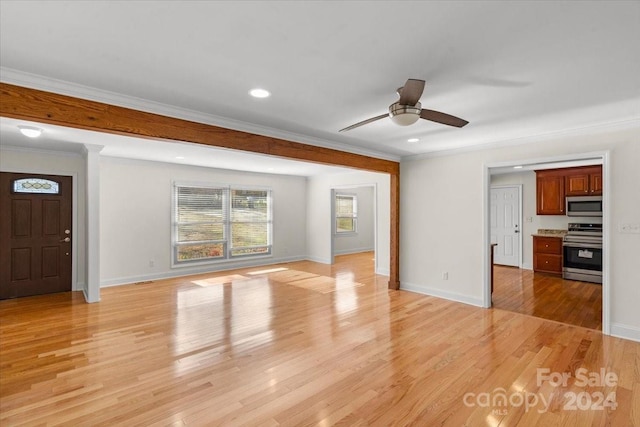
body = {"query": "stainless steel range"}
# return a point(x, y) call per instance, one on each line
point(582, 253)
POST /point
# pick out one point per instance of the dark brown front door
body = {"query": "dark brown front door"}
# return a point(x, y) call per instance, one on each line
point(35, 234)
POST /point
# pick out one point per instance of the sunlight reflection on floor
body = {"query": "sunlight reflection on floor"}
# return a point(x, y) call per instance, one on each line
point(219, 280)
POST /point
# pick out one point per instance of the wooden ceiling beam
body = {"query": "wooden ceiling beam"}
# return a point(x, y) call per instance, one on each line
point(23, 103)
point(45, 107)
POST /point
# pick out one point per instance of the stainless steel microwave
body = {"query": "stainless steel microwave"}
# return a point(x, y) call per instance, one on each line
point(584, 206)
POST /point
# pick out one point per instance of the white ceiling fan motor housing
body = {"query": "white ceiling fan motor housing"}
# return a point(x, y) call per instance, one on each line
point(404, 115)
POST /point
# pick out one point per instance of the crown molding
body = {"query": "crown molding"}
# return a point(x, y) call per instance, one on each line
point(40, 151)
point(35, 81)
point(620, 125)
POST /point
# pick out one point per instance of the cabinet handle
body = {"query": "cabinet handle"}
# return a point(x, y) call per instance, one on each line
point(546, 262)
point(546, 246)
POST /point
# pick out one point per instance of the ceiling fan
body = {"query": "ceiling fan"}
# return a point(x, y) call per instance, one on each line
point(408, 109)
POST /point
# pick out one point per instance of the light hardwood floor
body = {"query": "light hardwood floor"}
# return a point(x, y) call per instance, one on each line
point(547, 296)
point(299, 344)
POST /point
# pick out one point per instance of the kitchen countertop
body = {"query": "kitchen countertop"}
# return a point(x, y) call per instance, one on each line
point(543, 232)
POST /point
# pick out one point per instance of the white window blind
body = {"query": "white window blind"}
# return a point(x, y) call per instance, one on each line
point(346, 207)
point(250, 222)
point(212, 223)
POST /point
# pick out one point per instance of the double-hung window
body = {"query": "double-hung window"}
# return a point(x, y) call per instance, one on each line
point(250, 222)
point(346, 207)
point(220, 222)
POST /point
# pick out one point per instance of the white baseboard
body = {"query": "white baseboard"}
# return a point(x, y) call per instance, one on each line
point(451, 296)
point(383, 271)
point(187, 271)
point(625, 331)
point(318, 259)
point(352, 251)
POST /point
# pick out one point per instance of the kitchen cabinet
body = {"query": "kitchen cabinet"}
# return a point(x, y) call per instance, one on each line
point(550, 192)
point(583, 181)
point(553, 185)
point(547, 255)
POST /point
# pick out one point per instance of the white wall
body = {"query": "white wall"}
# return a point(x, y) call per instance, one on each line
point(14, 159)
point(364, 239)
point(135, 212)
point(135, 215)
point(558, 222)
point(443, 218)
point(319, 217)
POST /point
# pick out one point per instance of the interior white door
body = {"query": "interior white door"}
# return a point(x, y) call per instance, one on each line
point(505, 225)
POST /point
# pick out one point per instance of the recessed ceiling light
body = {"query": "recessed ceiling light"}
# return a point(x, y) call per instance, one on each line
point(30, 131)
point(259, 93)
point(413, 140)
point(180, 157)
point(517, 167)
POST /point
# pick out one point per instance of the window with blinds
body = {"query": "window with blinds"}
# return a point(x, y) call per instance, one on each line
point(346, 207)
point(250, 222)
point(217, 223)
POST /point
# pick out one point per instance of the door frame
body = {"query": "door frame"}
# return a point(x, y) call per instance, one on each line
point(334, 190)
point(598, 157)
point(75, 286)
point(519, 187)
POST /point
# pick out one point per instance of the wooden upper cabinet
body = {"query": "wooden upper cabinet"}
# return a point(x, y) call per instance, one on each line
point(577, 185)
point(595, 182)
point(583, 181)
point(553, 185)
point(550, 192)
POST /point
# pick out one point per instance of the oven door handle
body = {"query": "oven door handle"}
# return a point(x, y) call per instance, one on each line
point(582, 245)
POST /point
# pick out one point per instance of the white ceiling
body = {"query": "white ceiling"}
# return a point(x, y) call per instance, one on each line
point(514, 70)
point(57, 138)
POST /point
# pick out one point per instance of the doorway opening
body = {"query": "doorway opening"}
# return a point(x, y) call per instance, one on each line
point(518, 287)
point(506, 220)
point(353, 230)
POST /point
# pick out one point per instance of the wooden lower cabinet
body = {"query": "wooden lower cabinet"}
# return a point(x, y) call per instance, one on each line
point(547, 254)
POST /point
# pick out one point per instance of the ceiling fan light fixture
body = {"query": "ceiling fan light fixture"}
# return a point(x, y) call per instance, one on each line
point(404, 115)
point(407, 110)
point(30, 131)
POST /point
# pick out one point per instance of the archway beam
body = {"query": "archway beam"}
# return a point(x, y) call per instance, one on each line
point(46, 107)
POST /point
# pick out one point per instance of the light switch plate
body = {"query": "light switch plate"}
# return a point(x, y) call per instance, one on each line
point(629, 228)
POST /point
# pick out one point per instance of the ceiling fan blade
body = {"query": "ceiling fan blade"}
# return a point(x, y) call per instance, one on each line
point(364, 122)
point(446, 119)
point(411, 92)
